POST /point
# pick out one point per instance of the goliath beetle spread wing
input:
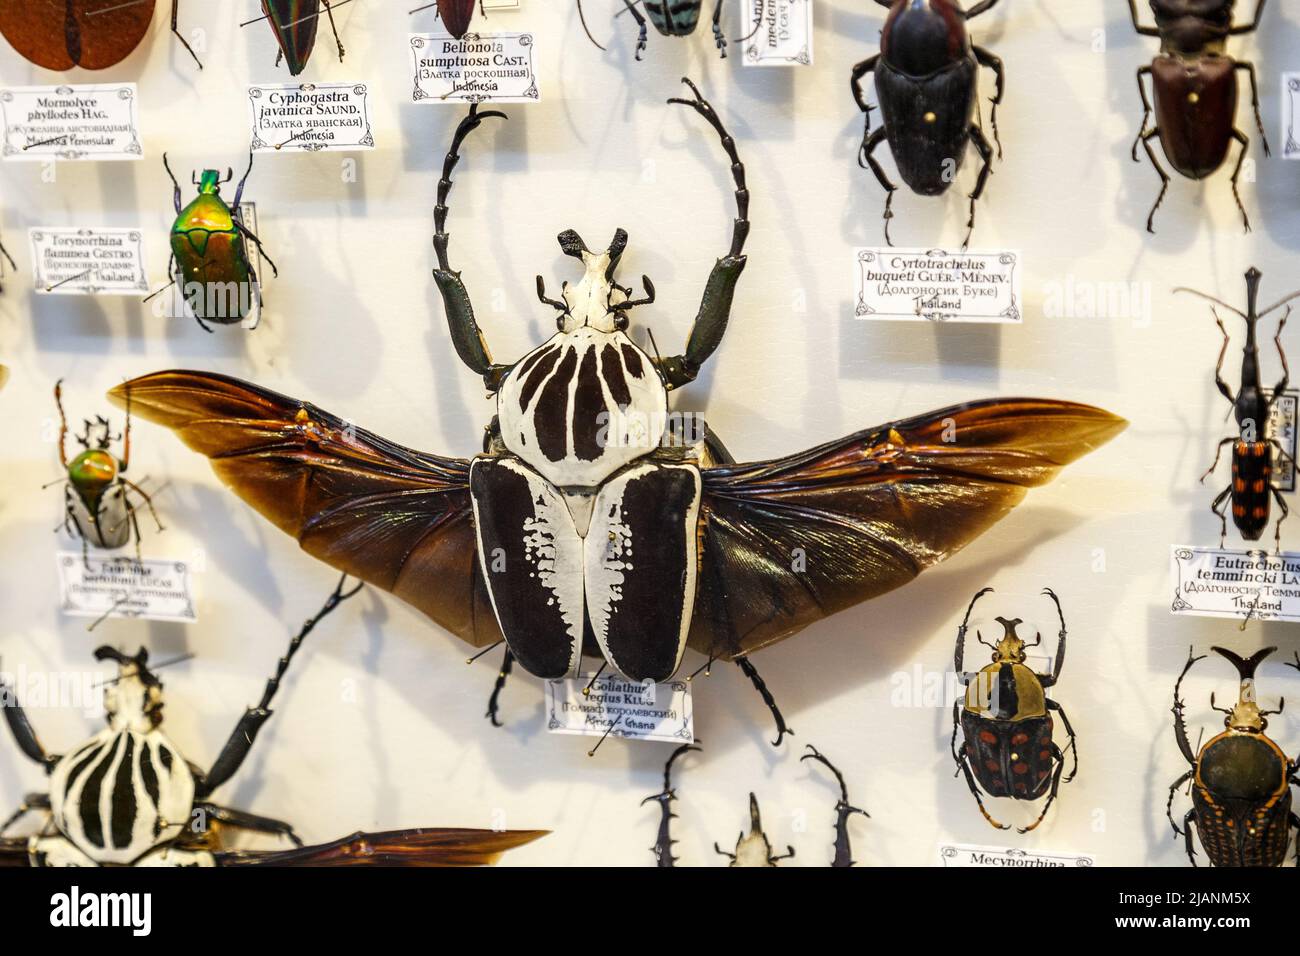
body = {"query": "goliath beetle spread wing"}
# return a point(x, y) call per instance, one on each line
point(790, 541)
point(785, 542)
point(397, 518)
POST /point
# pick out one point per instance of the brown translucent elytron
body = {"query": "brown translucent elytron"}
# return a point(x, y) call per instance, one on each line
point(62, 34)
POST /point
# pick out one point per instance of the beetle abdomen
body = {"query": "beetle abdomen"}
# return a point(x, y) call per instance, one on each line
point(673, 18)
point(121, 794)
point(1196, 107)
point(582, 406)
point(1010, 758)
point(1252, 473)
point(927, 121)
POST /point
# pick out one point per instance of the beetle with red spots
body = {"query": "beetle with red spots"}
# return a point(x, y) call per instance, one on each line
point(1253, 486)
point(1006, 721)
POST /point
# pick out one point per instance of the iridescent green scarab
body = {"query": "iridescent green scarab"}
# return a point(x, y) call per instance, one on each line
point(210, 261)
point(97, 498)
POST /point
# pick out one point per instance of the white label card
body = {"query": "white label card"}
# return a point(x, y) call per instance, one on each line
point(934, 285)
point(958, 855)
point(1282, 428)
point(311, 117)
point(621, 708)
point(89, 122)
point(88, 261)
point(123, 587)
point(778, 33)
point(499, 67)
point(1212, 582)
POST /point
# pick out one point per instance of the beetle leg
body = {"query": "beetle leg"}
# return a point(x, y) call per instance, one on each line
point(507, 663)
point(788, 854)
point(1247, 27)
point(1223, 386)
point(5, 252)
point(663, 848)
point(147, 500)
point(964, 767)
point(1051, 796)
point(1280, 387)
point(466, 336)
point(1180, 725)
point(63, 423)
point(1217, 455)
point(994, 63)
point(952, 744)
point(21, 727)
point(718, 38)
point(1145, 139)
point(859, 94)
point(329, 12)
point(986, 154)
point(1286, 511)
point(1219, 507)
point(1049, 680)
point(1169, 804)
point(869, 146)
point(1189, 821)
point(643, 39)
point(1240, 137)
point(749, 671)
point(1072, 746)
point(1146, 109)
point(33, 801)
point(958, 657)
point(1141, 30)
point(248, 234)
point(1295, 823)
point(719, 290)
point(1254, 100)
point(176, 186)
point(241, 739)
point(185, 43)
point(246, 821)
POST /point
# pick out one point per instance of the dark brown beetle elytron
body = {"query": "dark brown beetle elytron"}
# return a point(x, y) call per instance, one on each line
point(1006, 721)
point(927, 85)
point(1252, 449)
point(1241, 780)
point(1195, 85)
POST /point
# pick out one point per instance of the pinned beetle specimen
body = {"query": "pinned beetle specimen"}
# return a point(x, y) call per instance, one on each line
point(588, 526)
point(295, 23)
point(752, 848)
point(1006, 720)
point(1252, 450)
point(1195, 85)
point(456, 15)
point(128, 797)
point(927, 87)
point(672, 18)
point(91, 34)
point(1241, 780)
point(210, 259)
point(97, 495)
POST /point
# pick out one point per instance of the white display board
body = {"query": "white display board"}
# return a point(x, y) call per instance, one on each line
point(381, 723)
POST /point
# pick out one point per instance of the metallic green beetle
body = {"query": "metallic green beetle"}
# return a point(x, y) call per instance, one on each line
point(97, 497)
point(210, 260)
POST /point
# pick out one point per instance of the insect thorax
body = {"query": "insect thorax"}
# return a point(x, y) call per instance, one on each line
point(121, 794)
point(582, 406)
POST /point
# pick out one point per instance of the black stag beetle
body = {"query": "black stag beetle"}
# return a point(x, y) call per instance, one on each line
point(752, 848)
point(1241, 780)
point(927, 86)
point(1195, 85)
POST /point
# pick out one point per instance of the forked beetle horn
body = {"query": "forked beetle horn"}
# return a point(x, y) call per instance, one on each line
point(1245, 666)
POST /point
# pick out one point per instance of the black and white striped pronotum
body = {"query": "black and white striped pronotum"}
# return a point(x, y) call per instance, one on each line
point(672, 18)
point(127, 796)
point(594, 523)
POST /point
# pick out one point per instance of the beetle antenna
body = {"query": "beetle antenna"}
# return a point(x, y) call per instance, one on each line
point(1210, 298)
point(633, 303)
point(758, 24)
point(555, 304)
point(1278, 304)
point(583, 17)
